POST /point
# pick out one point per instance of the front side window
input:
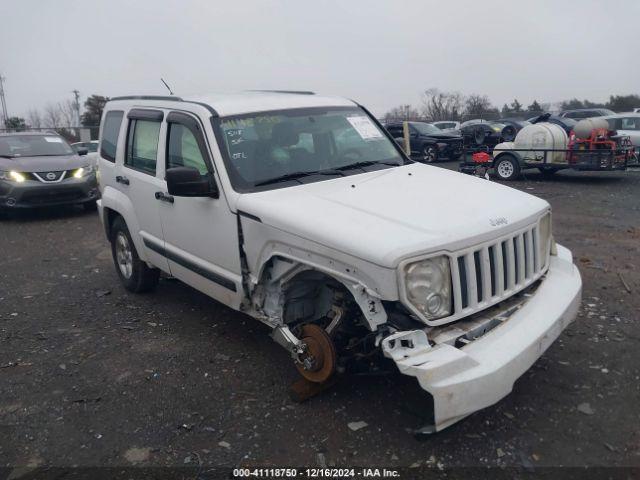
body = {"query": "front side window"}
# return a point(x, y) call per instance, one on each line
point(34, 146)
point(142, 145)
point(260, 147)
point(183, 149)
point(110, 133)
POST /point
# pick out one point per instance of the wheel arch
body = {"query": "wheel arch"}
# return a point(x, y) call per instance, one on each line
point(282, 276)
point(116, 204)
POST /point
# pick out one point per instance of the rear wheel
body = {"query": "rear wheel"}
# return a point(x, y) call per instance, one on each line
point(135, 275)
point(429, 154)
point(507, 167)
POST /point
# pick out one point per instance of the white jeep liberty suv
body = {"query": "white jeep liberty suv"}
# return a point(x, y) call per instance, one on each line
point(301, 211)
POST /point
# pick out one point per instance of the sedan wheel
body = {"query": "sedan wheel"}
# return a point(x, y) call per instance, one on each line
point(430, 153)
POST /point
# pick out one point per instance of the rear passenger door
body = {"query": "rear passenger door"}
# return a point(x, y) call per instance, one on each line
point(139, 180)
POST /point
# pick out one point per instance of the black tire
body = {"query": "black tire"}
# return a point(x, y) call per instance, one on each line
point(90, 206)
point(479, 136)
point(509, 133)
point(136, 276)
point(507, 168)
point(429, 153)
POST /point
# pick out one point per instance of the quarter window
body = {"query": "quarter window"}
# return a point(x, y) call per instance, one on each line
point(110, 133)
point(183, 149)
point(142, 145)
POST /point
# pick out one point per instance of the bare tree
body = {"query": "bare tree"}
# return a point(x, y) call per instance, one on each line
point(437, 105)
point(51, 118)
point(402, 112)
point(477, 106)
point(67, 113)
point(34, 119)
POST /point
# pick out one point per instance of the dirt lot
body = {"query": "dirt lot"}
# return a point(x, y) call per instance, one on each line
point(91, 375)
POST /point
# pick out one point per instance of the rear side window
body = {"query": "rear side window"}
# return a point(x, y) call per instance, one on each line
point(110, 132)
point(142, 145)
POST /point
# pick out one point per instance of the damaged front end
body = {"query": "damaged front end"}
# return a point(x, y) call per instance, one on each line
point(473, 363)
point(466, 356)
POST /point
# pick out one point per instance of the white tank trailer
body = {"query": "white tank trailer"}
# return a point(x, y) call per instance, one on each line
point(532, 140)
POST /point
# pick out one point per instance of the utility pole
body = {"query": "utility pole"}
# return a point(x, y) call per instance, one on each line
point(5, 115)
point(76, 93)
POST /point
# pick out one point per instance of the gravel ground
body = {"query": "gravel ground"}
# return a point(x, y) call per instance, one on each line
point(91, 375)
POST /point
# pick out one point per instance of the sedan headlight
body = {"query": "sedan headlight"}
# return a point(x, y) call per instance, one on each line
point(428, 286)
point(82, 171)
point(12, 176)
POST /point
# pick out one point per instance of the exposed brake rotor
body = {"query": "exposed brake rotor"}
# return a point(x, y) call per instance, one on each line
point(318, 362)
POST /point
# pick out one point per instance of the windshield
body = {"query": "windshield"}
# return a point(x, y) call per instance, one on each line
point(34, 146)
point(425, 128)
point(261, 147)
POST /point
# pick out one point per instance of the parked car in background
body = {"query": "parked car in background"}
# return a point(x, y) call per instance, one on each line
point(485, 133)
point(580, 113)
point(346, 255)
point(626, 124)
point(41, 169)
point(92, 148)
point(428, 143)
point(565, 122)
point(516, 123)
point(446, 125)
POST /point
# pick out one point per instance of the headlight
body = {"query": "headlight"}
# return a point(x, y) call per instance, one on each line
point(12, 176)
point(544, 235)
point(428, 285)
point(82, 171)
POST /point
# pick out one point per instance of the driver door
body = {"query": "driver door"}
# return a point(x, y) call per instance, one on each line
point(200, 233)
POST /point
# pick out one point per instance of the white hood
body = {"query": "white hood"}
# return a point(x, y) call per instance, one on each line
point(387, 215)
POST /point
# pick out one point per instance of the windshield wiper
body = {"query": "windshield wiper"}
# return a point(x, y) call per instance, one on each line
point(297, 175)
point(368, 163)
point(6, 156)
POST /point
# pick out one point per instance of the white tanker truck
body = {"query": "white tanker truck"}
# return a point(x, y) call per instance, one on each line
point(590, 145)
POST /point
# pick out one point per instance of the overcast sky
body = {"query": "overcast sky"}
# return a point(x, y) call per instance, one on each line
point(381, 53)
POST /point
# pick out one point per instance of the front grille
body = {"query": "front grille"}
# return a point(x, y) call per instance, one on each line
point(49, 177)
point(487, 274)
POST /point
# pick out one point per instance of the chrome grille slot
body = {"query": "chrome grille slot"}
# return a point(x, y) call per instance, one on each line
point(489, 273)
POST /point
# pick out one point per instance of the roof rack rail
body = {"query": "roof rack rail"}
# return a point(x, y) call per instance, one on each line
point(149, 97)
point(295, 92)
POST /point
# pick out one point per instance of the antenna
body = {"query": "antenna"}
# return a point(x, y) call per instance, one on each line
point(5, 115)
point(165, 84)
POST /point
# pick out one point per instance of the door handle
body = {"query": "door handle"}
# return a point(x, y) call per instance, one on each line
point(163, 197)
point(122, 180)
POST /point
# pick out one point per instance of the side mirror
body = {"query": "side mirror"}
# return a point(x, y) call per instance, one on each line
point(82, 151)
point(187, 182)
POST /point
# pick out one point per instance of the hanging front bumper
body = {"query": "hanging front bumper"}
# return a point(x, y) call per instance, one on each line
point(476, 375)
